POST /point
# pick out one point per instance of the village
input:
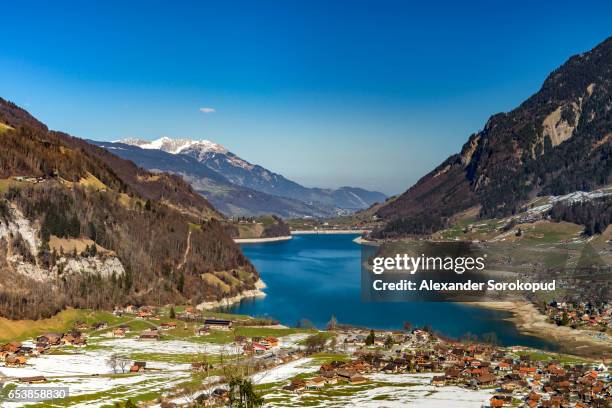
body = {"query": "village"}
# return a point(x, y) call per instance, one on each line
point(583, 315)
point(192, 354)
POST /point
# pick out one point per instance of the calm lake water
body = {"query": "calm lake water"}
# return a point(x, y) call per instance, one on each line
point(315, 276)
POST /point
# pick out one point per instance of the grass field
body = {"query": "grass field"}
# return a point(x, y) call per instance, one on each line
point(23, 329)
point(4, 128)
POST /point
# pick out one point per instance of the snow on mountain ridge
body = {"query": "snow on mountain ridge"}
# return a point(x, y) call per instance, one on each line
point(176, 146)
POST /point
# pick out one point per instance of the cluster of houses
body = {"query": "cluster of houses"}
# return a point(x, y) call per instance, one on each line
point(580, 315)
point(512, 375)
point(142, 312)
point(16, 354)
point(30, 179)
point(72, 338)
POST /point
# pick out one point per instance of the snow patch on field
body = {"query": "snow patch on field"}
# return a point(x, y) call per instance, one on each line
point(285, 371)
point(421, 396)
point(133, 345)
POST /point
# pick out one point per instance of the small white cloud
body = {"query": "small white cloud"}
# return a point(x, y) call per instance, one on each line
point(207, 110)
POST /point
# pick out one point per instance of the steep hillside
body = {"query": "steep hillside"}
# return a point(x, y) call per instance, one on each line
point(82, 227)
point(557, 141)
point(244, 174)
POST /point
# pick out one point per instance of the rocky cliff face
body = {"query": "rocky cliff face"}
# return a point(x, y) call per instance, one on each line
point(22, 241)
point(555, 142)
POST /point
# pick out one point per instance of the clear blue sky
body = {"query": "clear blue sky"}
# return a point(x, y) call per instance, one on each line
point(329, 93)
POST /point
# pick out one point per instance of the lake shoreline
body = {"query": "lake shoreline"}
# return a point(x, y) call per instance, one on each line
point(262, 240)
point(324, 231)
point(226, 302)
point(529, 321)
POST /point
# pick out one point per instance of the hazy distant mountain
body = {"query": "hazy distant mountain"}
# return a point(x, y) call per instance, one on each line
point(240, 172)
point(557, 141)
point(229, 198)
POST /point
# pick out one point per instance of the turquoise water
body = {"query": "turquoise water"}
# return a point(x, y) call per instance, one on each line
point(315, 276)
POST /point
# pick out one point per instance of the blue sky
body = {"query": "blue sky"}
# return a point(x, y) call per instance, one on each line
point(329, 93)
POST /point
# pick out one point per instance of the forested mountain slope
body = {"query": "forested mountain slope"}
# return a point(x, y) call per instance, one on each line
point(81, 227)
point(557, 141)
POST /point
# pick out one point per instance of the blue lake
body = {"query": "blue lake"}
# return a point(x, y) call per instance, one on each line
point(316, 276)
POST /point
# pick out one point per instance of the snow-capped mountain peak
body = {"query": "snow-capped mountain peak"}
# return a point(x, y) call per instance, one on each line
point(176, 146)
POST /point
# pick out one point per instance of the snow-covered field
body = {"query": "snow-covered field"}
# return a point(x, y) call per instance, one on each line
point(133, 345)
point(404, 390)
point(285, 371)
point(88, 375)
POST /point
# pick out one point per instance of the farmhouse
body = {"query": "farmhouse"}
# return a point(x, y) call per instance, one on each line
point(15, 361)
point(138, 367)
point(39, 379)
point(218, 324)
point(52, 339)
point(149, 335)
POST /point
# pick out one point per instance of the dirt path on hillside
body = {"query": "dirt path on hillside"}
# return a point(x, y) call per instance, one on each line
point(182, 264)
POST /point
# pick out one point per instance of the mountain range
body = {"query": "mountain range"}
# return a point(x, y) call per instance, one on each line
point(237, 187)
point(557, 141)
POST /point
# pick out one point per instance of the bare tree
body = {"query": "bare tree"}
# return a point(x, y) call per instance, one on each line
point(123, 363)
point(112, 362)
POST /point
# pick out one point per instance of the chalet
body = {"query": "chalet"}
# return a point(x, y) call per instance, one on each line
point(131, 309)
point(358, 379)
point(80, 325)
point(258, 348)
point(118, 332)
point(99, 326)
point(68, 338)
point(52, 339)
point(510, 386)
point(328, 374)
point(315, 383)
point(15, 361)
point(270, 341)
point(144, 314)
point(296, 385)
point(167, 326)
point(346, 374)
point(79, 342)
point(138, 367)
point(39, 379)
point(485, 379)
point(218, 324)
point(27, 351)
point(451, 374)
point(527, 371)
point(13, 347)
point(438, 381)
point(496, 403)
point(149, 335)
point(42, 347)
